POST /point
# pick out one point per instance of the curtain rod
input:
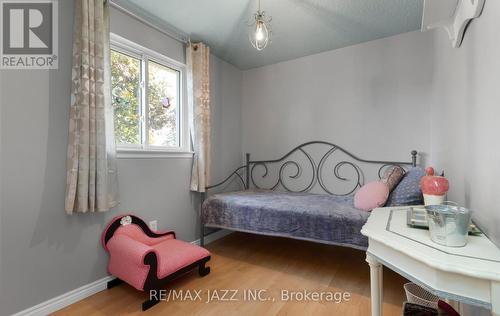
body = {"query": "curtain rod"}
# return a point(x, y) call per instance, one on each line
point(168, 33)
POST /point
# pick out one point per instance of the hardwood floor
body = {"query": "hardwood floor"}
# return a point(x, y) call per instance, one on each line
point(244, 261)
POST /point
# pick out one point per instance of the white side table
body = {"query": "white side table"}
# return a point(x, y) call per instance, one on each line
point(469, 274)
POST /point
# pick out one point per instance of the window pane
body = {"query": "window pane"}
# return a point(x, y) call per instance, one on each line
point(125, 80)
point(163, 90)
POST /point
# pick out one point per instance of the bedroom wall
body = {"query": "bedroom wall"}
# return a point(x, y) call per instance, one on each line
point(371, 99)
point(465, 117)
point(45, 253)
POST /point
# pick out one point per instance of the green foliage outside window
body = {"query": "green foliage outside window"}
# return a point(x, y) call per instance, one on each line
point(162, 107)
point(125, 93)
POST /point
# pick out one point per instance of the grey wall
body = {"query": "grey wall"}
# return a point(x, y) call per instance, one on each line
point(139, 33)
point(369, 98)
point(45, 253)
point(465, 117)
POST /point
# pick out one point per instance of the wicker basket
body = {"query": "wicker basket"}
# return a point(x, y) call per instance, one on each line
point(418, 295)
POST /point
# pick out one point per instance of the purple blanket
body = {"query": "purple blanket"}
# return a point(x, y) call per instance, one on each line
point(315, 217)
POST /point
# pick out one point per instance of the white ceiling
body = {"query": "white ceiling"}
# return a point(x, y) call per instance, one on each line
point(300, 27)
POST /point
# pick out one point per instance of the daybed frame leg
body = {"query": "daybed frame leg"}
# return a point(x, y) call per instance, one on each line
point(113, 283)
point(202, 226)
point(149, 303)
point(247, 172)
point(202, 235)
point(202, 270)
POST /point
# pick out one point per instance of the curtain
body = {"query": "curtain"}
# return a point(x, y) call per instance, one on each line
point(198, 85)
point(92, 184)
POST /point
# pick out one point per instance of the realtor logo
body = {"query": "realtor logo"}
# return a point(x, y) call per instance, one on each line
point(28, 34)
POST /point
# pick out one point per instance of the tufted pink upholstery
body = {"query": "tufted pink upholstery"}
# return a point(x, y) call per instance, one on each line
point(126, 260)
point(180, 254)
point(128, 245)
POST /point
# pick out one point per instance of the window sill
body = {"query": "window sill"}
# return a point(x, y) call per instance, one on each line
point(152, 154)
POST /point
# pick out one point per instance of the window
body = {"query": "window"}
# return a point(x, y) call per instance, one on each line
point(148, 100)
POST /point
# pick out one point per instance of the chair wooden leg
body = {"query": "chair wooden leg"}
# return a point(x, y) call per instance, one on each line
point(113, 283)
point(149, 303)
point(202, 270)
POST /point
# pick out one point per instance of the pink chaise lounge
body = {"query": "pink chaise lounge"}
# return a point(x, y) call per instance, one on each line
point(148, 260)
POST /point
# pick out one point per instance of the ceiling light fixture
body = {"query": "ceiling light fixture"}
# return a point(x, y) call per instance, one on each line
point(260, 30)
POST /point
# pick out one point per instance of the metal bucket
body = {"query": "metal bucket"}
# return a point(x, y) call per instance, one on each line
point(449, 224)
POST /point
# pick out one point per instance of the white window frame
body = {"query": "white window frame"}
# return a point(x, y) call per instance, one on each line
point(127, 47)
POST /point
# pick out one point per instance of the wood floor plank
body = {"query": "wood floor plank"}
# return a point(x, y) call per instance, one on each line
point(249, 262)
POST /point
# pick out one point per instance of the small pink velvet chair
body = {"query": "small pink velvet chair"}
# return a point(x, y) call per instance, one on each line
point(148, 260)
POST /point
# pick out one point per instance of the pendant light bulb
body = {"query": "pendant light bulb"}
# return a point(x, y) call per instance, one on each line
point(260, 32)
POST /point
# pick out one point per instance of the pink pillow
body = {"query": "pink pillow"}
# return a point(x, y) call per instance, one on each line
point(371, 195)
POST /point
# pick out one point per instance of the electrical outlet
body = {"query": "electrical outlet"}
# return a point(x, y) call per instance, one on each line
point(153, 225)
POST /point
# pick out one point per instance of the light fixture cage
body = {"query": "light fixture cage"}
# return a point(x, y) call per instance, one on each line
point(260, 30)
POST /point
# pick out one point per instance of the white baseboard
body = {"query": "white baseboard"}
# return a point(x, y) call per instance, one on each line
point(61, 301)
point(85, 291)
point(213, 236)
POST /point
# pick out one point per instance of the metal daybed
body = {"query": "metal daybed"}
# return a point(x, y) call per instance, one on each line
point(280, 196)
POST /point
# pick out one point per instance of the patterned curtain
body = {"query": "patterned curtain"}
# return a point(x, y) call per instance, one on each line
point(197, 59)
point(92, 184)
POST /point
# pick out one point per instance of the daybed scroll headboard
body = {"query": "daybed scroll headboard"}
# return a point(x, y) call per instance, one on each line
point(315, 157)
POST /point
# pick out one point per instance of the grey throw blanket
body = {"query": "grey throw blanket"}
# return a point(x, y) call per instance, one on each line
point(315, 217)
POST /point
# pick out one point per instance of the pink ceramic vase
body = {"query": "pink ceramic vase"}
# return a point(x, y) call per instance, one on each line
point(433, 187)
